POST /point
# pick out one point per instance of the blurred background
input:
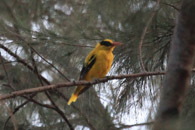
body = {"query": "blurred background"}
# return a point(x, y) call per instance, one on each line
point(45, 42)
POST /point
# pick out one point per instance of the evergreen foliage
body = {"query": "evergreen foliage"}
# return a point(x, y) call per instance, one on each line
point(54, 37)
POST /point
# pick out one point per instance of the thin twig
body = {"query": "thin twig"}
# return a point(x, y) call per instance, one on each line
point(42, 78)
point(15, 110)
point(38, 103)
point(78, 83)
point(19, 36)
point(35, 68)
point(32, 69)
point(56, 108)
point(11, 115)
point(138, 124)
point(170, 5)
point(2, 62)
point(29, 99)
point(47, 61)
point(11, 15)
point(20, 60)
point(144, 33)
point(2, 102)
point(77, 109)
point(18, 108)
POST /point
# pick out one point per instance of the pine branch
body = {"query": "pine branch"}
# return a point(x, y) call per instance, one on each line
point(70, 84)
point(176, 8)
point(15, 110)
point(7, 76)
point(13, 119)
point(144, 33)
point(19, 36)
point(17, 33)
point(41, 78)
point(56, 108)
point(20, 60)
point(77, 109)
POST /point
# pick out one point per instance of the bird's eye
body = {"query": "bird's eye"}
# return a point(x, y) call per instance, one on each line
point(106, 43)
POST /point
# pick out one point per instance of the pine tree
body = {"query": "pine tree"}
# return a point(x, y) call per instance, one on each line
point(45, 42)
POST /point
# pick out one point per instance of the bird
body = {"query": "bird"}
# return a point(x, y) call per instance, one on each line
point(96, 65)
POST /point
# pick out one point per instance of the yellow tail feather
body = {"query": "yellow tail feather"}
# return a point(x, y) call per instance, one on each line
point(73, 98)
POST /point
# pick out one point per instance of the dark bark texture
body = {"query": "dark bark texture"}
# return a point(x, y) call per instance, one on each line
point(179, 69)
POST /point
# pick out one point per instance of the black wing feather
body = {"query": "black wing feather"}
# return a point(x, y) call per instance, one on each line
point(85, 70)
point(87, 67)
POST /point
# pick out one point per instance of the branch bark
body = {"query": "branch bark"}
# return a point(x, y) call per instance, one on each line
point(179, 69)
point(70, 84)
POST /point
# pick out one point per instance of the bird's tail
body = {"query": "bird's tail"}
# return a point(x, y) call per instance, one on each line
point(73, 98)
point(75, 95)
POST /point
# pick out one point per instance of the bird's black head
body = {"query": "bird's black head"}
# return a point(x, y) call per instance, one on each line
point(106, 43)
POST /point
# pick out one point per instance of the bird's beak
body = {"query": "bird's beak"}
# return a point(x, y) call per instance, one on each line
point(117, 43)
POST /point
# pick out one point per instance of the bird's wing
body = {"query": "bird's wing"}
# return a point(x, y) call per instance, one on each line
point(89, 62)
point(87, 66)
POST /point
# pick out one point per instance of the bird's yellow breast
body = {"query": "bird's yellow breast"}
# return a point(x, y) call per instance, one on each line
point(102, 65)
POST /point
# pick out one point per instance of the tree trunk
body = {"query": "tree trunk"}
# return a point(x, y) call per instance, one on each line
point(179, 69)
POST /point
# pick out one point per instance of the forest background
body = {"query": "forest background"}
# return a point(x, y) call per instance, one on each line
point(44, 42)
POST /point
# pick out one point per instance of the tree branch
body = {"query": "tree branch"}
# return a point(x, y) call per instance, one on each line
point(70, 84)
point(35, 70)
point(170, 5)
point(2, 62)
point(15, 110)
point(40, 78)
point(20, 60)
point(77, 109)
point(144, 33)
point(11, 115)
point(56, 108)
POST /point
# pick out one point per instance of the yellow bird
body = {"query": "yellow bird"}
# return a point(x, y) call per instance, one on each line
point(96, 65)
